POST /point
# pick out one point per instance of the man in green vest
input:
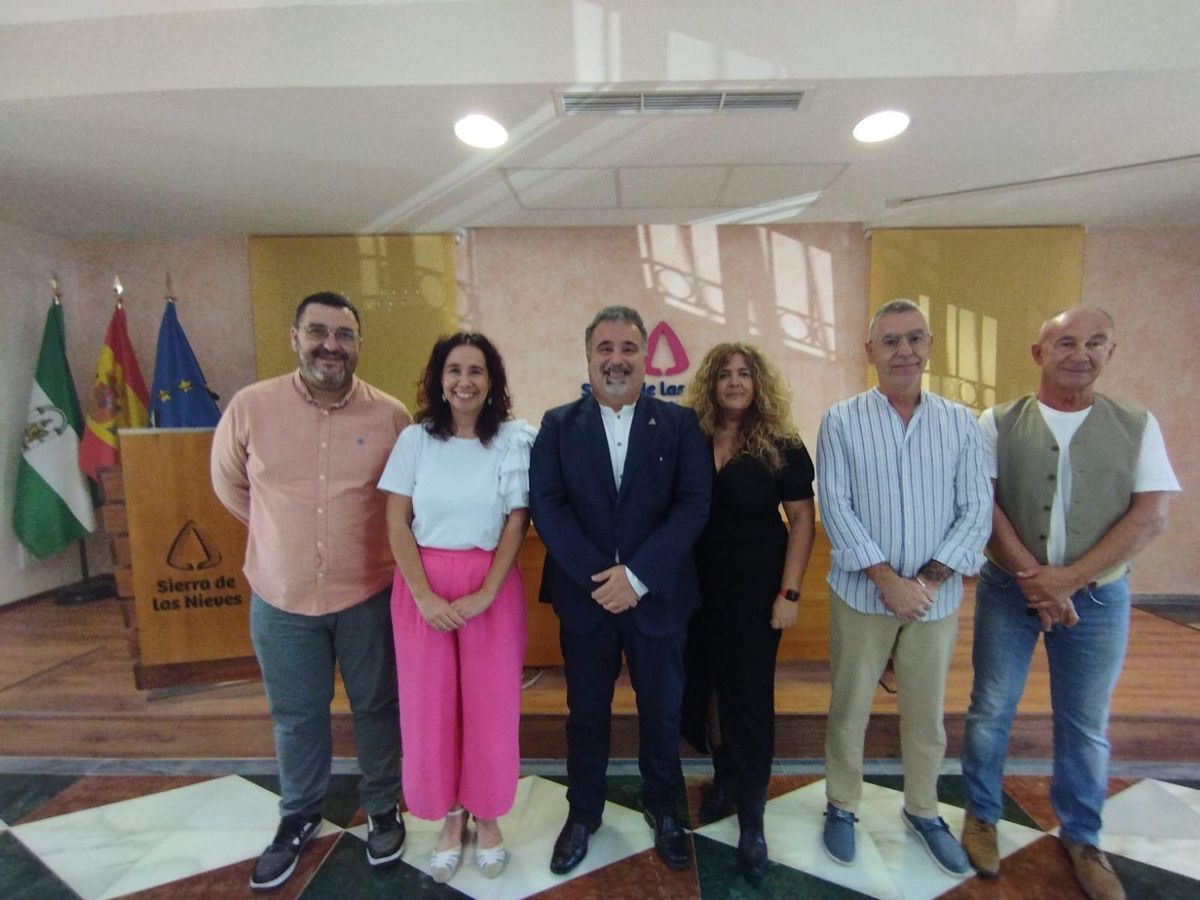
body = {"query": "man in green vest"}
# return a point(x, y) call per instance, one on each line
point(1082, 484)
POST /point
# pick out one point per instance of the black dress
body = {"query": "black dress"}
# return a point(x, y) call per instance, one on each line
point(731, 644)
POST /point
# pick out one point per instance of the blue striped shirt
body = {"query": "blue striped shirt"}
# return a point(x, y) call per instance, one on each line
point(902, 495)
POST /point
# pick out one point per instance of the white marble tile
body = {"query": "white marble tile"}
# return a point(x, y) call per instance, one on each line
point(1153, 809)
point(890, 860)
point(530, 828)
point(793, 823)
point(134, 844)
point(1155, 823)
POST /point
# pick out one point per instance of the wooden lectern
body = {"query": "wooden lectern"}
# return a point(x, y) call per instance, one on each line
point(190, 608)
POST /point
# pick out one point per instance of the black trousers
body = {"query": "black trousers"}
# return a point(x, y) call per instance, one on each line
point(592, 663)
point(731, 653)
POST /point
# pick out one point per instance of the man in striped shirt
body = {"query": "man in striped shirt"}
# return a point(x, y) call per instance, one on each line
point(907, 506)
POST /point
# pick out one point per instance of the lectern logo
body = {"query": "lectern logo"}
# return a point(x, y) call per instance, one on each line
point(192, 551)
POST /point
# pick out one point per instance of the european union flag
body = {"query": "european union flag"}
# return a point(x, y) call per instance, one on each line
point(180, 397)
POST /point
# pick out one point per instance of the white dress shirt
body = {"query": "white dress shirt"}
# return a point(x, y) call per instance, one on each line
point(617, 425)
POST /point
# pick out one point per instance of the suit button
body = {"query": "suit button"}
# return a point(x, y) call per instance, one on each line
point(1051, 477)
point(1054, 448)
point(1046, 509)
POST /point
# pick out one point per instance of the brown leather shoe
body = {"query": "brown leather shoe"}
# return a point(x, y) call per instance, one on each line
point(979, 840)
point(1094, 871)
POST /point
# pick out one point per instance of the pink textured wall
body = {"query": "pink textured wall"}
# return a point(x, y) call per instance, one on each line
point(27, 260)
point(1150, 282)
point(798, 291)
point(211, 283)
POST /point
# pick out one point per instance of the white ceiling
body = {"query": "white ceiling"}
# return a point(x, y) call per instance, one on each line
point(166, 118)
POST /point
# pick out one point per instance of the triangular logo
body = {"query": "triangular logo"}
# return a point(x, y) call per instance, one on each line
point(191, 550)
point(678, 356)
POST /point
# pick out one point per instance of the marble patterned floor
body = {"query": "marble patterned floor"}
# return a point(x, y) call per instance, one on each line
point(196, 836)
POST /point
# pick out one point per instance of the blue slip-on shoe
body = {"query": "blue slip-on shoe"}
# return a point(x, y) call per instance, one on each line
point(838, 834)
point(943, 848)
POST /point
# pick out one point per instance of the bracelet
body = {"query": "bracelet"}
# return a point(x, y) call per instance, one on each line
point(917, 579)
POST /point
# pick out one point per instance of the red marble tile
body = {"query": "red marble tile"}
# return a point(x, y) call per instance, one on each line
point(1032, 793)
point(99, 790)
point(1039, 871)
point(636, 878)
point(234, 881)
point(785, 784)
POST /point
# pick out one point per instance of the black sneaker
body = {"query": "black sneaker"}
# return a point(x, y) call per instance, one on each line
point(278, 861)
point(385, 838)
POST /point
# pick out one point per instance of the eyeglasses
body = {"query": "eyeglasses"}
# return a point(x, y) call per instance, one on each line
point(320, 334)
point(915, 339)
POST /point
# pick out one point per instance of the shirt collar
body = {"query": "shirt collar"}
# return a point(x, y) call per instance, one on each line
point(302, 389)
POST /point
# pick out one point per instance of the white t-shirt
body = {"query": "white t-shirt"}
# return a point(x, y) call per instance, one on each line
point(1153, 473)
point(461, 490)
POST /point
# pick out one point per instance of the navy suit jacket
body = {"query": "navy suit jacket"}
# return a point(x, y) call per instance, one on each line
point(650, 525)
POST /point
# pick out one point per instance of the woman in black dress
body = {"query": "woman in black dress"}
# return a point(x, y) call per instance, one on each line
point(750, 564)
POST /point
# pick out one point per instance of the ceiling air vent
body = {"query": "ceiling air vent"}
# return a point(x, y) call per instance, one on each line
point(649, 102)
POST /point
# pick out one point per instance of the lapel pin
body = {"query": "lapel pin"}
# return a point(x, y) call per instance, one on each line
point(652, 422)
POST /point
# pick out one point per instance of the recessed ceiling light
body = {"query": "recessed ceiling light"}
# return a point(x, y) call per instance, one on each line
point(881, 126)
point(480, 131)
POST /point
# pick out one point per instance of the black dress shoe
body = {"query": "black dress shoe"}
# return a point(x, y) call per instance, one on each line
point(571, 846)
point(752, 851)
point(670, 840)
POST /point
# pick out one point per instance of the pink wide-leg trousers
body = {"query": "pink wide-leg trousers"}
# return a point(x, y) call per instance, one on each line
point(460, 693)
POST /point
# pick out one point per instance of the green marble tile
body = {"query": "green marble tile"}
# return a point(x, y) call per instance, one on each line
point(952, 789)
point(24, 877)
point(345, 873)
point(1145, 882)
point(720, 878)
point(22, 794)
point(626, 790)
point(341, 797)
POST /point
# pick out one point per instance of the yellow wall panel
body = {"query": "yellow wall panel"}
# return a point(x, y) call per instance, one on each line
point(404, 287)
point(986, 292)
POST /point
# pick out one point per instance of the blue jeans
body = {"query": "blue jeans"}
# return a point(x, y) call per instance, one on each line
point(1084, 664)
point(297, 656)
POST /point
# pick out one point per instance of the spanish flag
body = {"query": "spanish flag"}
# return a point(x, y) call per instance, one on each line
point(118, 399)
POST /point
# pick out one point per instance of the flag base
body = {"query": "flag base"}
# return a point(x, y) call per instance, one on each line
point(98, 587)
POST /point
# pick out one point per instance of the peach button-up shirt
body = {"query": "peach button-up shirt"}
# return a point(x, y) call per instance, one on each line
point(303, 480)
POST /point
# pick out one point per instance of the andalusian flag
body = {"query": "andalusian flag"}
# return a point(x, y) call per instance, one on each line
point(118, 399)
point(180, 397)
point(53, 505)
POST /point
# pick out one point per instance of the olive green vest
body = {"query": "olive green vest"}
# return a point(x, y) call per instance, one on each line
point(1104, 455)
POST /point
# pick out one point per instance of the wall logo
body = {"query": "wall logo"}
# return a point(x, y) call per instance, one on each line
point(679, 358)
point(191, 550)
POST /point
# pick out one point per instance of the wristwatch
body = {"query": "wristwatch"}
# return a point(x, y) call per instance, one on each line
point(790, 594)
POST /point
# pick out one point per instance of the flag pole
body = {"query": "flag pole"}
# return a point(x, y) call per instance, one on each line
point(88, 589)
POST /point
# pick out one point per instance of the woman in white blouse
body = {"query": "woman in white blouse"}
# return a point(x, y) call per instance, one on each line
point(458, 511)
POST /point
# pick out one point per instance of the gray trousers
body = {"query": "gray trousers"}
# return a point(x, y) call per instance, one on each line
point(297, 655)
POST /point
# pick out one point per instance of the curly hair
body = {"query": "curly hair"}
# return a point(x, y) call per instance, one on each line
point(434, 410)
point(766, 428)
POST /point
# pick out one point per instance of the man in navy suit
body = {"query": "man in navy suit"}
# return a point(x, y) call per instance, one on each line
point(620, 489)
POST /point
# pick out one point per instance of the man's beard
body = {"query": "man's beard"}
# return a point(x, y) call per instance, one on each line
point(323, 377)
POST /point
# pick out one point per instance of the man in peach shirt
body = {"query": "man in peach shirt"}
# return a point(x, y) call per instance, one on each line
point(296, 458)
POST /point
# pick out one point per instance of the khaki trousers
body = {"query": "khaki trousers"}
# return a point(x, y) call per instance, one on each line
point(859, 646)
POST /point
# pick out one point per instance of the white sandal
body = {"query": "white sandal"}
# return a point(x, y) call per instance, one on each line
point(491, 860)
point(444, 863)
